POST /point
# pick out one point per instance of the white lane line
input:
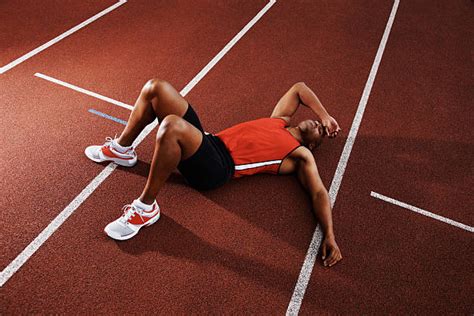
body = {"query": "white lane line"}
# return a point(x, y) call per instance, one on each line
point(60, 37)
point(82, 90)
point(229, 45)
point(421, 211)
point(308, 264)
point(190, 85)
point(23, 257)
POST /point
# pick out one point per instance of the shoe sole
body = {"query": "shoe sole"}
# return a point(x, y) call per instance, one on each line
point(152, 221)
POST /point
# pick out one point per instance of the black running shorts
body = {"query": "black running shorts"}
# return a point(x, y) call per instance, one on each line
point(211, 165)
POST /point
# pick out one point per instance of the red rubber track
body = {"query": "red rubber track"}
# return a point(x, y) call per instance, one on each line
point(28, 24)
point(239, 249)
point(415, 145)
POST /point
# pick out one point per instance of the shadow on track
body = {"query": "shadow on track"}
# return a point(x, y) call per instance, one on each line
point(172, 239)
point(277, 205)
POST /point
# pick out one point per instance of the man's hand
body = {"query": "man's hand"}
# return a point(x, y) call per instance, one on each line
point(331, 127)
point(330, 252)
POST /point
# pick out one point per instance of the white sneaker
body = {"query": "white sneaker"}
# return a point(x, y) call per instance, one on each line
point(133, 218)
point(107, 152)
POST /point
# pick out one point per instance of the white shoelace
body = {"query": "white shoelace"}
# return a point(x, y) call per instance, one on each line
point(108, 141)
point(129, 211)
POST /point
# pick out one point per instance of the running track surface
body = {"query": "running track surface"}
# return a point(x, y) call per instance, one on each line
point(239, 249)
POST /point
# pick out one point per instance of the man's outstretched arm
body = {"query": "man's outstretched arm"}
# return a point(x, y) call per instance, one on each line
point(298, 94)
point(308, 176)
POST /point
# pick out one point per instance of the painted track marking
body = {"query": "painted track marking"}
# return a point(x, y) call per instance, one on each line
point(421, 211)
point(59, 37)
point(109, 117)
point(308, 264)
point(82, 90)
point(29, 250)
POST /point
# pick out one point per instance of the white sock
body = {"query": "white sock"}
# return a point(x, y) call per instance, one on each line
point(142, 205)
point(119, 147)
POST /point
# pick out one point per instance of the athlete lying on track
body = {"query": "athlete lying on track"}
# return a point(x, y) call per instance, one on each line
point(207, 161)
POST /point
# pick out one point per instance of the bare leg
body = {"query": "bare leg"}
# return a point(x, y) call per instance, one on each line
point(176, 140)
point(157, 99)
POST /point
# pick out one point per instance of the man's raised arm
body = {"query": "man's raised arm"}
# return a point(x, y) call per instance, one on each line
point(298, 94)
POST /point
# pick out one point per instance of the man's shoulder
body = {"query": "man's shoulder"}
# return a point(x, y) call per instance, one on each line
point(299, 157)
point(302, 153)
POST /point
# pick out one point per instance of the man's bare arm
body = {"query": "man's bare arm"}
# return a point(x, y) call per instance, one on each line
point(298, 94)
point(308, 175)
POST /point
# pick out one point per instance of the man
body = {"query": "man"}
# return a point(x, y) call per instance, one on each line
point(207, 161)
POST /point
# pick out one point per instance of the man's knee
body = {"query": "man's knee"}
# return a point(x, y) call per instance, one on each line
point(156, 87)
point(171, 127)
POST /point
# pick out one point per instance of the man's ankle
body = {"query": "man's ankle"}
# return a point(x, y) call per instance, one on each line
point(121, 145)
point(145, 204)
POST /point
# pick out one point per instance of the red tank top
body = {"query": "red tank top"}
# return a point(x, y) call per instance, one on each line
point(258, 146)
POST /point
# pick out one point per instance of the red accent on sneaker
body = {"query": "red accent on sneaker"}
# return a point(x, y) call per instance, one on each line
point(136, 219)
point(122, 152)
point(106, 151)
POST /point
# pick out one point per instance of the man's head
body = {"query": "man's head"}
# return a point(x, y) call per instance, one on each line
point(312, 133)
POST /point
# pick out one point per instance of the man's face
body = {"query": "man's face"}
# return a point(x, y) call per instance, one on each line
point(312, 133)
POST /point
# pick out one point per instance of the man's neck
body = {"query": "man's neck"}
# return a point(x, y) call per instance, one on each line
point(296, 133)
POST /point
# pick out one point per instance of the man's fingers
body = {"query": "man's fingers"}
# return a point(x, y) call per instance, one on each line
point(326, 130)
point(331, 131)
point(323, 251)
point(337, 258)
point(331, 257)
point(332, 261)
point(334, 258)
